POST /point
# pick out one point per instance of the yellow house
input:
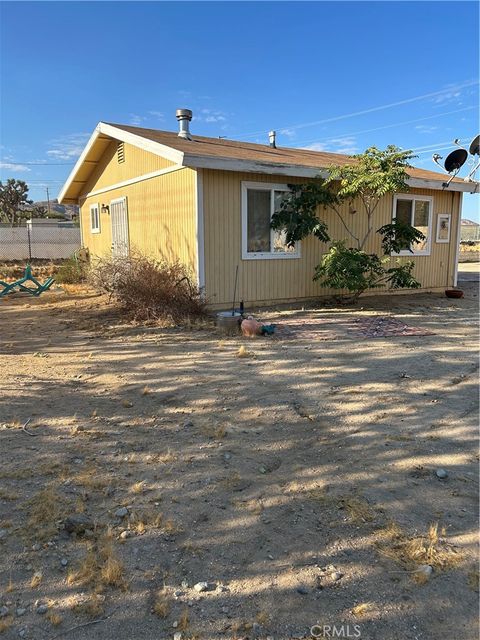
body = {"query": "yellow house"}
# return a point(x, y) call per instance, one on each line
point(207, 202)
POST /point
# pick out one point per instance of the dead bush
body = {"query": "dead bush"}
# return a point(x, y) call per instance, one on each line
point(149, 289)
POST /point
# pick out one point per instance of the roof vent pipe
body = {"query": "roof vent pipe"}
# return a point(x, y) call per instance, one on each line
point(271, 138)
point(184, 116)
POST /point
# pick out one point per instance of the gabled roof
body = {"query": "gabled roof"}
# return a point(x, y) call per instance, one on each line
point(227, 155)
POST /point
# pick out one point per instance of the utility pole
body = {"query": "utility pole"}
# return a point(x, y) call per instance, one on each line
point(48, 202)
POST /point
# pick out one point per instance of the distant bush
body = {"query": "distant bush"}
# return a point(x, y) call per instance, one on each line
point(72, 271)
point(149, 289)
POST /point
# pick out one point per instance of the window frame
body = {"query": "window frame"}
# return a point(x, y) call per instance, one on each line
point(263, 255)
point(95, 229)
point(414, 198)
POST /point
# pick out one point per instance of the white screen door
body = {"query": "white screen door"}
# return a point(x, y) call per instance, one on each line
point(119, 219)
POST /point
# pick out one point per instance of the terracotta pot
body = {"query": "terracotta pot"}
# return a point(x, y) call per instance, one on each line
point(454, 293)
point(250, 327)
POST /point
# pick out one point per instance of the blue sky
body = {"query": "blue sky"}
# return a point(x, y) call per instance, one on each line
point(337, 76)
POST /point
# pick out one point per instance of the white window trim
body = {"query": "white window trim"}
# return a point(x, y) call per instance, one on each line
point(97, 207)
point(439, 218)
point(408, 196)
point(263, 255)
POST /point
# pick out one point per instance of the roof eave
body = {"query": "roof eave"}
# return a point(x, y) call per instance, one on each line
point(116, 133)
point(300, 171)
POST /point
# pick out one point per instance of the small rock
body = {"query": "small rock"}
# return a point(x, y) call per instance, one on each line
point(204, 586)
point(227, 456)
point(126, 534)
point(175, 624)
point(441, 473)
point(36, 547)
point(22, 633)
point(302, 590)
point(425, 570)
point(336, 576)
point(42, 609)
point(184, 584)
point(121, 512)
point(78, 523)
point(188, 423)
point(178, 593)
point(222, 588)
point(3, 612)
point(21, 611)
point(64, 562)
point(177, 636)
point(3, 533)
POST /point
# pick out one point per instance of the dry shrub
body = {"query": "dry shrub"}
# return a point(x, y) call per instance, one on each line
point(161, 606)
point(144, 519)
point(149, 289)
point(357, 508)
point(100, 567)
point(45, 511)
point(36, 579)
point(54, 618)
point(8, 495)
point(430, 549)
point(92, 606)
point(183, 621)
point(362, 609)
point(5, 623)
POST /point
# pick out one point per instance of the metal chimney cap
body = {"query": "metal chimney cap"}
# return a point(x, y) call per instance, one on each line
point(272, 138)
point(183, 114)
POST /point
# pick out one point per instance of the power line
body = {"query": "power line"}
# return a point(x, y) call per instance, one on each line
point(370, 110)
point(40, 164)
point(387, 126)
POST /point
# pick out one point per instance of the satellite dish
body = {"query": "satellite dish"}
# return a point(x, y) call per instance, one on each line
point(436, 157)
point(475, 146)
point(455, 160)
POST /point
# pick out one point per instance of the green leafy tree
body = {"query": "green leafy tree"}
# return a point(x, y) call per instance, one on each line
point(367, 179)
point(13, 197)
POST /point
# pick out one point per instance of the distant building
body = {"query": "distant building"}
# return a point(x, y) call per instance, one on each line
point(469, 230)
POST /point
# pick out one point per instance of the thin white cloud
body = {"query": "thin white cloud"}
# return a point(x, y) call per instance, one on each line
point(11, 166)
point(289, 133)
point(68, 147)
point(348, 146)
point(423, 128)
point(157, 114)
point(210, 115)
point(136, 120)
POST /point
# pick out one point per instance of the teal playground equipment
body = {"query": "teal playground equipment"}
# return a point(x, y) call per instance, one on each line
point(28, 284)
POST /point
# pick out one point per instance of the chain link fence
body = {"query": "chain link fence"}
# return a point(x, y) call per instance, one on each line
point(41, 239)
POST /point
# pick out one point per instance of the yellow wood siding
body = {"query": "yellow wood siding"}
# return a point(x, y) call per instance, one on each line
point(262, 281)
point(161, 210)
point(137, 162)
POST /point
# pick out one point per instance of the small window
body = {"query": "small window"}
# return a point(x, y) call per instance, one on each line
point(120, 152)
point(259, 240)
point(94, 218)
point(416, 211)
point(443, 227)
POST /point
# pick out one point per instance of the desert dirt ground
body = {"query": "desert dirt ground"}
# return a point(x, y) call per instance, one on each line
point(298, 482)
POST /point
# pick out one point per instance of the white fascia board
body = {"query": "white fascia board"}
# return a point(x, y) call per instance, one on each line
point(78, 164)
point(124, 136)
point(142, 143)
point(248, 166)
point(425, 183)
